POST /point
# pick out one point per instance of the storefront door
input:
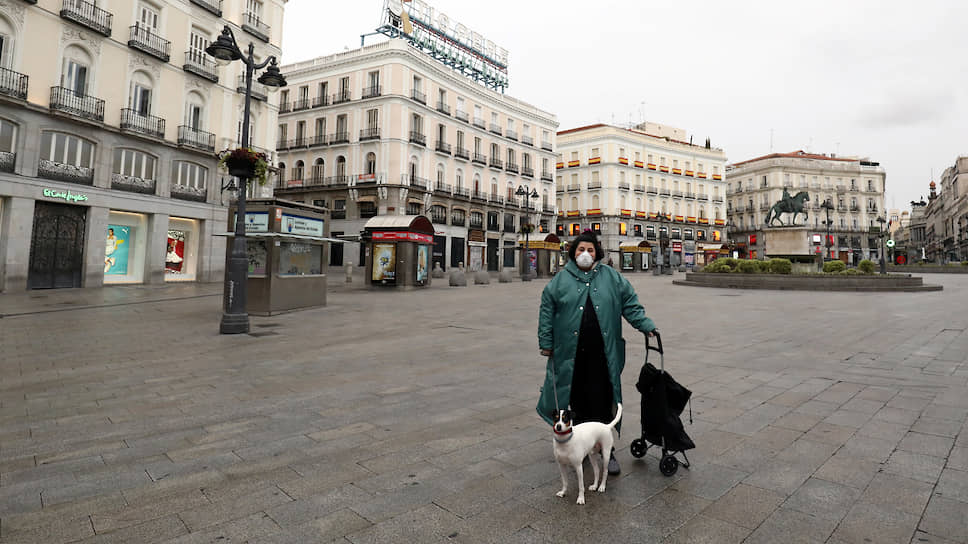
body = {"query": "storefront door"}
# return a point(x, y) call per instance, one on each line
point(456, 251)
point(492, 255)
point(336, 251)
point(440, 250)
point(57, 246)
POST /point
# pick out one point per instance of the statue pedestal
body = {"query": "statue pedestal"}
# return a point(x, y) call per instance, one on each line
point(788, 241)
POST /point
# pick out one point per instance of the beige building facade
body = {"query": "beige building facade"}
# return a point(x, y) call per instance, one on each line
point(946, 216)
point(110, 115)
point(387, 130)
point(630, 186)
point(855, 188)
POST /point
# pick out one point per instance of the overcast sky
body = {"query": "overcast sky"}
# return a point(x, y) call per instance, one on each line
point(883, 79)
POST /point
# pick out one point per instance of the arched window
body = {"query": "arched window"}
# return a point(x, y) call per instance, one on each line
point(371, 163)
point(477, 184)
point(340, 168)
point(494, 186)
point(189, 174)
point(76, 72)
point(718, 216)
point(544, 198)
point(319, 169)
point(441, 178)
point(459, 179)
point(702, 212)
point(624, 202)
point(132, 163)
point(66, 149)
point(558, 204)
point(282, 170)
point(510, 191)
point(141, 96)
point(297, 171)
point(195, 118)
point(8, 35)
point(676, 209)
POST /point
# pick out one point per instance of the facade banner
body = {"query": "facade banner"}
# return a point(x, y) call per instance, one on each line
point(116, 250)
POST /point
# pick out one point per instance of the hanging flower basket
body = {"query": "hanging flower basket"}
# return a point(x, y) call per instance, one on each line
point(245, 163)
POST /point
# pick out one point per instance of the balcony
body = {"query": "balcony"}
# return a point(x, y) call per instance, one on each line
point(443, 108)
point(764, 206)
point(418, 138)
point(441, 186)
point(120, 182)
point(677, 194)
point(690, 196)
point(717, 199)
point(342, 96)
point(546, 146)
point(527, 171)
point(282, 145)
point(461, 116)
point(479, 123)
point(595, 184)
point(508, 228)
point(299, 142)
point(574, 187)
point(321, 101)
point(285, 107)
point(213, 6)
point(496, 163)
point(841, 208)
point(372, 133)
point(13, 84)
point(548, 208)
point(651, 190)
point(479, 158)
point(67, 101)
point(418, 96)
point(88, 15)
point(339, 138)
point(415, 181)
point(546, 175)
point(702, 196)
point(482, 196)
point(196, 139)
point(442, 147)
point(511, 167)
point(193, 194)
point(200, 64)
point(462, 153)
point(65, 172)
point(258, 89)
point(252, 24)
point(143, 39)
point(639, 188)
point(7, 161)
point(338, 214)
point(301, 104)
point(149, 125)
point(496, 129)
point(319, 139)
point(527, 140)
point(854, 208)
point(372, 91)
point(510, 134)
point(623, 185)
point(664, 192)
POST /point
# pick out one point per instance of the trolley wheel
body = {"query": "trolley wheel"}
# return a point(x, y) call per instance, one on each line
point(668, 465)
point(638, 448)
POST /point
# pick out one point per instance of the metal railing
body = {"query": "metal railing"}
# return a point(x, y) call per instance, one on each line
point(546, 175)
point(252, 24)
point(496, 129)
point(65, 172)
point(479, 158)
point(651, 190)
point(496, 163)
point(282, 145)
point(339, 138)
point(595, 184)
point(198, 139)
point(461, 116)
point(664, 192)
point(511, 134)
point(418, 96)
point(13, 84)
point(321, 101)
point(623, 185)
point(301, 104)
point(87, 14)
point(511, 167)
point(546, 146)
point(258, 90)
point(527, 140)
point(443, 108)
point(479, 123)
point(372, 91)
point(285, 107)
point(527, 171)
point(214, 6)
point(185, 192)
point(372, 133)
point(319, 139)
point(200, 64)
point(342, 96)
point(135, 121)
point(131, 184)
point(143, 39)
point(418, 138)
point(639, 188)
point(462, 153)
point(442, 147)
point(65, 100)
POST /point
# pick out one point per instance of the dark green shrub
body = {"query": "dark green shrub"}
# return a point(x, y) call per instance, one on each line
point(717, 267)
point(748, 267)
point(866, 266)
point(831, 267)
point(781, 266)
point(853, 272)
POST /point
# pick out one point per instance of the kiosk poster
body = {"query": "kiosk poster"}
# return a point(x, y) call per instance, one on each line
point(116, 250)
point(257, 253)
point(627, 261)
point(384, 262)
point(423, 262)
point(645, 260)
point(175, 258)
point(532, 260)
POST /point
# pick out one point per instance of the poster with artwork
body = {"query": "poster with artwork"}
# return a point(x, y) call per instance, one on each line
point(532, 260)
point(627, 261)
point(175, 256)
point(257, 253)
point(116, 250)
point(423, 262)
point(384, 263)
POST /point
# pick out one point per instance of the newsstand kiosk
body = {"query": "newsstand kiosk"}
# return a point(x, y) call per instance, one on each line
point(288, 250)
point(398, 251)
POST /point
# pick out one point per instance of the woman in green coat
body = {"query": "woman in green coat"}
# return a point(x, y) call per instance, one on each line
point(580, 331)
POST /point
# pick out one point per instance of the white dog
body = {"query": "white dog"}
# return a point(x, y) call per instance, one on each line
point(574, 443)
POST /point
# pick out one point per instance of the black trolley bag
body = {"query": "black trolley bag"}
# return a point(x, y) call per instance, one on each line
point(663, 400)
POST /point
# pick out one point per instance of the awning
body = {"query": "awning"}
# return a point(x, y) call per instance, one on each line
point(408, 223)
point(284, 235)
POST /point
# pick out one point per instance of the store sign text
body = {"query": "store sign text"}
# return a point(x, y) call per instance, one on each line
point(65, 195)
point(294, 224)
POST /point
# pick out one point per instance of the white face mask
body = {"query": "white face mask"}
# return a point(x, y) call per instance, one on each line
point(584, 260)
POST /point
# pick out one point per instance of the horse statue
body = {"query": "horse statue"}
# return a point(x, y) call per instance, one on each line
point(790, 204)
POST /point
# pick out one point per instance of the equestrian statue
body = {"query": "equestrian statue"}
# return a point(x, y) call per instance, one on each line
point(788, 204)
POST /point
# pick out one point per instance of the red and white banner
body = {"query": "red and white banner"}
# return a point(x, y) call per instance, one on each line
point(403, 236)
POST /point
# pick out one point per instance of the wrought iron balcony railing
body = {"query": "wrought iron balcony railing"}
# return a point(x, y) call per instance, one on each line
point(198, 139)
point(143, 39)
point(511, 167)
point(143, 124)
point(87, 14)
point(258, 90)
point(301, 104)
point(443, 108)
point(372, 133)
point(418, 96)
point(342, 96)
point(479, 123)
point(546, 175)
point(461, 116)
point(442, 147)
point(200, 64)
point(527, 171)
point(527, 140)
point(185, 192)
point(496, 129)
point(285, 107)
point(462, 153)
point(496, 163)
point(67, 101)
point(65, 172)
point(339, 138)
point(321, 101)
point(214, 6)
point(131, 184)
point(319, 139)
point(252, 24)
point(373, 91)
point(418, 138)
point(479, 158)
point(546, 146)
point(13, 84)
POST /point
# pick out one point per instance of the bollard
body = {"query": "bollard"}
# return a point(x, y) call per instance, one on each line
point(349, 272)
point(481, 277)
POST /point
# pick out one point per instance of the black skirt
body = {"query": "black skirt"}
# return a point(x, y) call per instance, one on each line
point(591, 387)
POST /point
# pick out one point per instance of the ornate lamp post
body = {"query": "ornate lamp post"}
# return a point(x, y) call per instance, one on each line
point(827, 206)
point(235, 318)
point(526, 276)
point(880, 234)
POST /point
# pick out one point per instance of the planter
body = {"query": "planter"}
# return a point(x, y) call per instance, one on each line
point(793, 282)
point(242, 170)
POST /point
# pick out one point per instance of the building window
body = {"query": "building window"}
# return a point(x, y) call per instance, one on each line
point(413, 208)
point(189, 174)
point(457, 217)
point(134, 164)
point(66, 149)
point(438, 214)
point(140, 98)
point(370, 164)
point(8, 136)
point(367, 209)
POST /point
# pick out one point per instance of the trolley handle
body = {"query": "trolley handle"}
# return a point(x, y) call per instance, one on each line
point(658, 340)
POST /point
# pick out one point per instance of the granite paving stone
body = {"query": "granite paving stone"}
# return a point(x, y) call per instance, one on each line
point(791, 526)
point(744, 505)
point(946, 518)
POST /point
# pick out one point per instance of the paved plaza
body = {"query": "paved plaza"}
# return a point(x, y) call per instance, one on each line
point(409, 417)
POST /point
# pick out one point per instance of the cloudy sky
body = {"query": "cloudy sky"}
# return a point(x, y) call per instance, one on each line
point(883, 79)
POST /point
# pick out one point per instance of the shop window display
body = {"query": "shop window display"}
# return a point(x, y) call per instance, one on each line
point(175, 257)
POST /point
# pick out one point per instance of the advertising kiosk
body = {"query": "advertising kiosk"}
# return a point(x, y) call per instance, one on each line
point(398, 251)
point(634, 258)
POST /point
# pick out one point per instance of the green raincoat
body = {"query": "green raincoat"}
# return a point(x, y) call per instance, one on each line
point(562, 303)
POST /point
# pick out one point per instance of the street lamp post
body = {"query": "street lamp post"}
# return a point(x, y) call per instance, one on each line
point(827, 206)
point(235, 317)
point(881, 233)
point(522, 191)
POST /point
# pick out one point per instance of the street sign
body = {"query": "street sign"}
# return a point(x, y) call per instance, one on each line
point(901, 259)
point(890, 243)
